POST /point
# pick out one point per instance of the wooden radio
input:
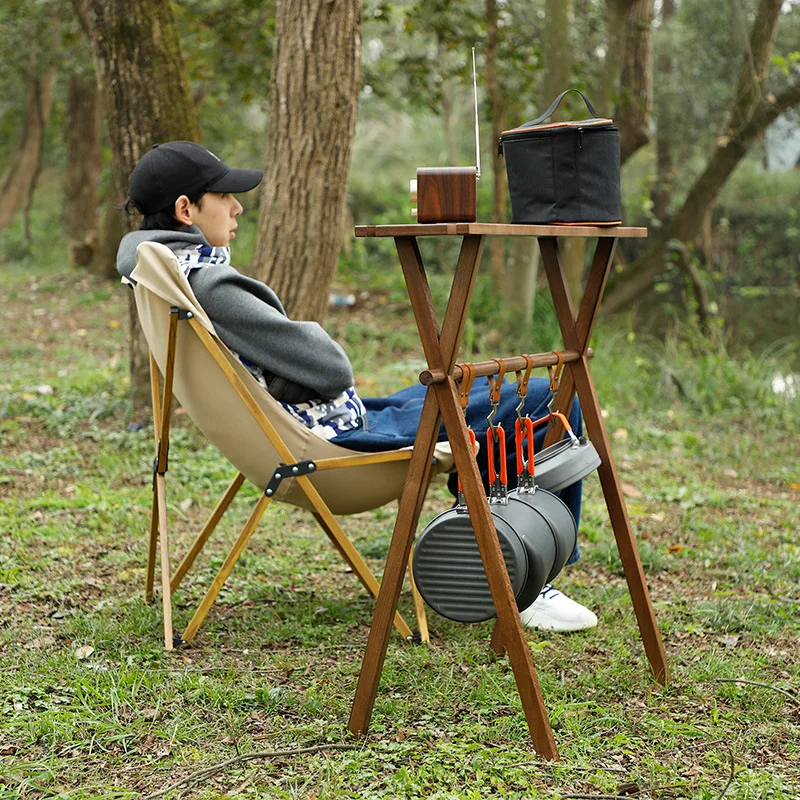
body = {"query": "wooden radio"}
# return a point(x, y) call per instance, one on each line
point(449, 194)
point(445, 194)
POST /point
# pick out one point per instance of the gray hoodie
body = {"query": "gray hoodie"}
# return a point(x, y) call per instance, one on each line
point(299, 360)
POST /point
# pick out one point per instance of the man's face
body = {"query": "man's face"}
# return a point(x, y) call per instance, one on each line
point(217, 217)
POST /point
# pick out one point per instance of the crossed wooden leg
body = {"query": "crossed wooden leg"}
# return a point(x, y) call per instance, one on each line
point(576, 334)
point(441, 350)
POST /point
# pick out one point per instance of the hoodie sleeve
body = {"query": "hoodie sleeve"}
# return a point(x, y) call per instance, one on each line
point(299, 359)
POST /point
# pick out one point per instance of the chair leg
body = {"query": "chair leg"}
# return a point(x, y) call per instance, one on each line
point(166, 594)
point(208, 529)
point(149, 593)
point(225, 569)
point(419, 603)
point(349, 553)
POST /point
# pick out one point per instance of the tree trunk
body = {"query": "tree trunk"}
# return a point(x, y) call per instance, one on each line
point(18, 183)
point(616, 31)
point(635, 101)
point(557, 53)
point(665, 165)
point(145, 99)
point(752, 113)
point(558, 57)
point(315, 84)
point(520, 277)
point(83, 162)
point(499, 201)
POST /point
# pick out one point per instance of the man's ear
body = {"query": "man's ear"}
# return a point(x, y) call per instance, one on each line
point(183, 210)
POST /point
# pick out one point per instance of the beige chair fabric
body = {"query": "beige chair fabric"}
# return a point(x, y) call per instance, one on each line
point(213, 404)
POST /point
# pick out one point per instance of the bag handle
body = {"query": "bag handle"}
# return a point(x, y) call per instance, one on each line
point(555, 104)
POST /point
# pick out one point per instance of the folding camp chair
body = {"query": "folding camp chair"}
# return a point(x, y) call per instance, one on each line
point(251, 429)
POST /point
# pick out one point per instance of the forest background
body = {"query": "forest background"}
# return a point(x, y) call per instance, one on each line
point(694, 87)
point(696, 365)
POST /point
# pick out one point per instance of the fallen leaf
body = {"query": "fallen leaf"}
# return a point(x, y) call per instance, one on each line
point(629, 490)
point(114, 323)
point(620, 434)
point(730, 641)
point(44, 389)
point(41, 642)
point(400, 736)
point(83, 652)
point(731, 473)
point(675, 548)
point(9, 750)
point(186, 504)
point(658, 517)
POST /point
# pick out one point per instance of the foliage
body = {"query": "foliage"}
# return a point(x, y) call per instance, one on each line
point(228, 50)
point(35, 36)
point(706, 42)
point(758, 231)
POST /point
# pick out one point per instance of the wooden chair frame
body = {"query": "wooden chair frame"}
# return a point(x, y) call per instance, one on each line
point(289, 468)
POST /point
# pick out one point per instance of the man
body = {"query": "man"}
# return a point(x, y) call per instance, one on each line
point(187, 198)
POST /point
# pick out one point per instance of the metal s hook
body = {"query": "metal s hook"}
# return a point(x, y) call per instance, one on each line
point(522, 384)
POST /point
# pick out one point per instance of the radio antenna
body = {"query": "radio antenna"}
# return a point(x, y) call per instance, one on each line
point(477, 135)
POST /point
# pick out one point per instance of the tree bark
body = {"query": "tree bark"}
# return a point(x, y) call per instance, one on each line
point(557, 56)
point(665, 164)
point(315, 84)
point(18, 183)
point(499, 194)
point(83, 159)
point(617, 27)
point(753, 111)
point(635, 101)
point(145, 98)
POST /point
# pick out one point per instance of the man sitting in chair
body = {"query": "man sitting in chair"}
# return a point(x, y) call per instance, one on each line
point(187, 198)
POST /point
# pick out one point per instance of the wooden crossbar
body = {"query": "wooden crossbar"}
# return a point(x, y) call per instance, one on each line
point(483, 368)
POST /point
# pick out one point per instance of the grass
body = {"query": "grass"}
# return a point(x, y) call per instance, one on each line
point(94, 708)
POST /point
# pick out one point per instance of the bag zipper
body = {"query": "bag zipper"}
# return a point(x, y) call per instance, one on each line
point(548, 130)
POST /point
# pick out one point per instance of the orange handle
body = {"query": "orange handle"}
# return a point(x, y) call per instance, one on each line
point(501, 436)
point(520, 437)
point(564, 421)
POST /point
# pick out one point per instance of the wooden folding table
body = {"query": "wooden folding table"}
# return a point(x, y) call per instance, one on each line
point(441, 346)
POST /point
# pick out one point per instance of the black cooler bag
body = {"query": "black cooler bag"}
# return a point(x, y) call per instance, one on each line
point(564, 173)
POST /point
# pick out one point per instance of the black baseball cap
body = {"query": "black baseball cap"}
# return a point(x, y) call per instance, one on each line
point(169, 170)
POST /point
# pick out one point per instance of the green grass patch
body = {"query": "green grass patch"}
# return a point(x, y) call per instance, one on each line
point(93, 707)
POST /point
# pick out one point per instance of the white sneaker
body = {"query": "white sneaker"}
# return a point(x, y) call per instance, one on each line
point(554, 611)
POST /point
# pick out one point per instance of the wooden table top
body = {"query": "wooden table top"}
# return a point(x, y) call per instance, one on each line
point(497, 229)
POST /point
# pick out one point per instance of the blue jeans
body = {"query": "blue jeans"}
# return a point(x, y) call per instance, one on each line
point(392, 423)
